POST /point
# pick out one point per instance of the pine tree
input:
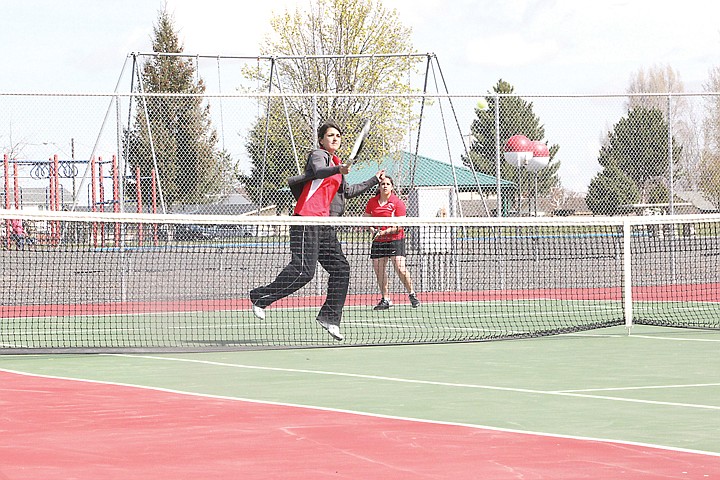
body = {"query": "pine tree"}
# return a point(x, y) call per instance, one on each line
point(710, 164)
point(609, 190)
point(187, 162)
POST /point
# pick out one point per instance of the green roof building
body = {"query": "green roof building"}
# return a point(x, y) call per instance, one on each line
point(427, 173)
point(420, 177)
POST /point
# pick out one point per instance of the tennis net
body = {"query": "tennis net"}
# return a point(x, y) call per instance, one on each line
point(138, 282)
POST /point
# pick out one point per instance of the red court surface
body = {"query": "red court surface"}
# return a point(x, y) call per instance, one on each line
point(709, 292)
point(65, 429)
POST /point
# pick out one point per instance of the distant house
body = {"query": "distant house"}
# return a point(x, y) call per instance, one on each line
point(568, 206)
point(686, 202)
point(36, 198)
point(234, 203)
point(698, 201)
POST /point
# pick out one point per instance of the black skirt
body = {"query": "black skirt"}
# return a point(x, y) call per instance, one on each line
point(393, 248)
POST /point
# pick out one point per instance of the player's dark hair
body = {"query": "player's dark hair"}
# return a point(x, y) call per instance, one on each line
point(392, 184)
point(324, 128)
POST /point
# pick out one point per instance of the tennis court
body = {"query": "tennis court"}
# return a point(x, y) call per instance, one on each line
point(598, 404)
point(140, 360)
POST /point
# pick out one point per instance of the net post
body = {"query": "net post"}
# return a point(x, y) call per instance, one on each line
point(627, 276)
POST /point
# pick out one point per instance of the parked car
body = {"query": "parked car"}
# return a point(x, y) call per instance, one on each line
point(185, 231)
point(234, 231)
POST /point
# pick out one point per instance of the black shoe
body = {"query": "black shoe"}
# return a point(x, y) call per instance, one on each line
point(384, 304)
point(413, 300)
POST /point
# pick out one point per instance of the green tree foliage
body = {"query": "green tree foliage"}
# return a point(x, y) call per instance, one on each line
point(335, 29)
point(710, 163)
point(679, 111)
point(268, 177)
point(516, 118)
point(710, 178)
point(635, 159)
point(638, 145)
point(609, 190)
point(175, 138)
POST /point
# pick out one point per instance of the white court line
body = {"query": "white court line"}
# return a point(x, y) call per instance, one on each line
point(596, 335)
point(648, 387)
point(677, 339)
point(364, 414)
point(648, 337)
point(421, 382)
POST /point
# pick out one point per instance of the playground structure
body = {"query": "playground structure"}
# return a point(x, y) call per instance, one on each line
point(54, 170)
point(274, 91)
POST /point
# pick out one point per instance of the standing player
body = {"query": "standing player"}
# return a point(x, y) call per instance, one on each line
point(389, 243)
point(323, 194)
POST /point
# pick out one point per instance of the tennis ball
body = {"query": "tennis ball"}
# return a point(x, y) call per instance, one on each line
point(482, 104)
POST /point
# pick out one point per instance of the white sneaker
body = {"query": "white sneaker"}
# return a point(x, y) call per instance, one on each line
point(332, 329)
point(258, 312)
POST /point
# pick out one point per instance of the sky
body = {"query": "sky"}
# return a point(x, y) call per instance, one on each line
point(540, 47)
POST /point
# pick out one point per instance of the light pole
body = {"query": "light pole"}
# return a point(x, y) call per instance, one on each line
point(539, 160)
point(518, 152)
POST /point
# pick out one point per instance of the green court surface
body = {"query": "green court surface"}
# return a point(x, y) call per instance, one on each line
point(656, 386)
point(293, 326)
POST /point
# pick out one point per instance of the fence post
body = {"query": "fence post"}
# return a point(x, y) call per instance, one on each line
point(671, 180)
point(497, 156)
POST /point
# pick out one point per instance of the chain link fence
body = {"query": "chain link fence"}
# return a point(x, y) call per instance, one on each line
point(231, 153)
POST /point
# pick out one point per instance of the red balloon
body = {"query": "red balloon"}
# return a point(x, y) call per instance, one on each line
point(518, 143)
point(518, 151)
point(540, 149)
point(541, 157)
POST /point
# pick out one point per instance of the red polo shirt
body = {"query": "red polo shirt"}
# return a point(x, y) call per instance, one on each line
point(393, 208)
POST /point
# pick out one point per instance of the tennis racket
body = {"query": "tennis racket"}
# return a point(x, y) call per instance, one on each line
point(359, 142)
